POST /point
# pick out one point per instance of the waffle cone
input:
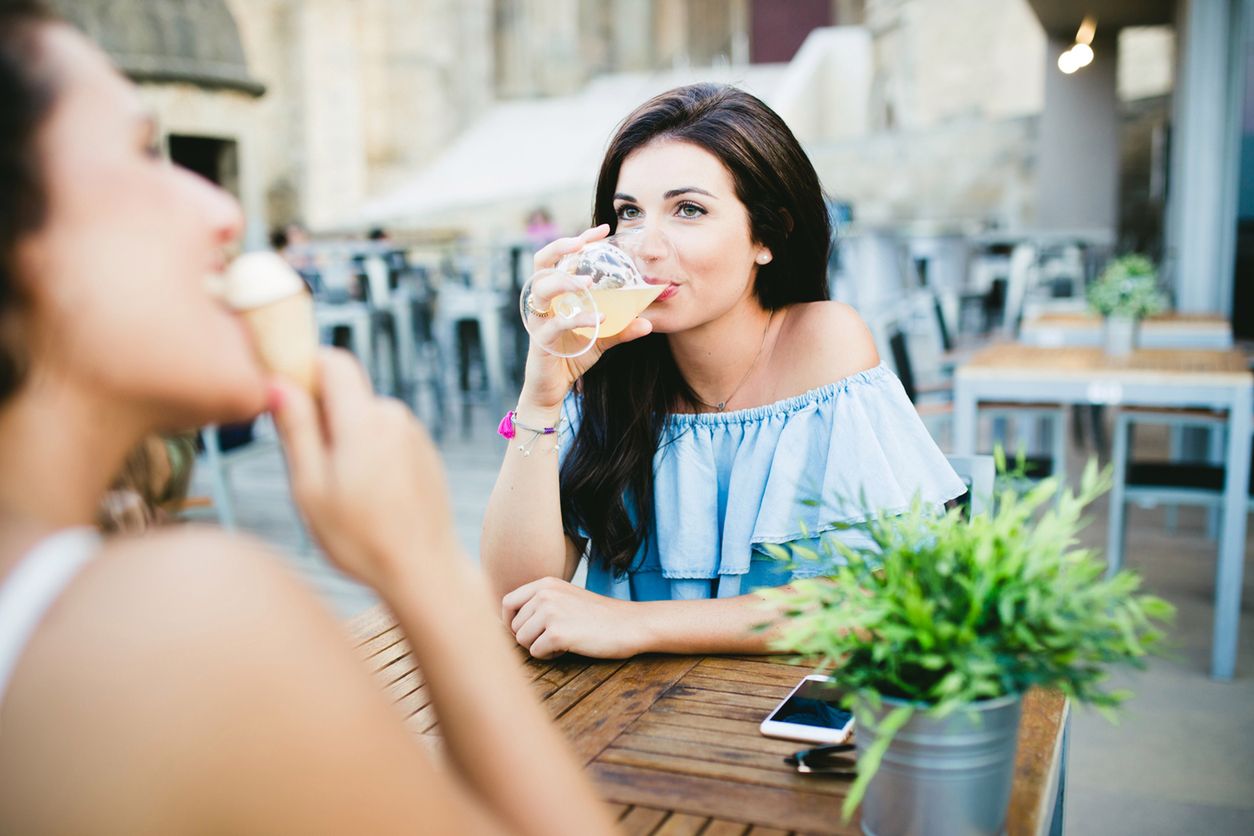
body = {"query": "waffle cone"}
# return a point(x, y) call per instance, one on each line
point(285, 338)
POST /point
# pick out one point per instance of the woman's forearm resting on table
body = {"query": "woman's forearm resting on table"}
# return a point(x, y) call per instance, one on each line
point(551, 616)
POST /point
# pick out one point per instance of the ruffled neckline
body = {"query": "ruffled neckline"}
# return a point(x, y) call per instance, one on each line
point(787, 406)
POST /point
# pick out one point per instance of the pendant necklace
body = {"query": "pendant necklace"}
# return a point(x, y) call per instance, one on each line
point(721, 406)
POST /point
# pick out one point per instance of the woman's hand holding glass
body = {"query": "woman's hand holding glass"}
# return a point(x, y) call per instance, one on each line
point(573, 307)
point(365, 474)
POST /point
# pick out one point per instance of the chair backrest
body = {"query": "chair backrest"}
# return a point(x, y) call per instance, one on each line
point(942, 325)
point(1022, 274)
point(979, 474)
point(901, 360)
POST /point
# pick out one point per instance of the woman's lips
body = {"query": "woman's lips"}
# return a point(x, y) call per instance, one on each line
point(671, 289)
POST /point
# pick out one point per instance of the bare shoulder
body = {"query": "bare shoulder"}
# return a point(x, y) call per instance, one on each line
point(173, 653)
point(823, 342)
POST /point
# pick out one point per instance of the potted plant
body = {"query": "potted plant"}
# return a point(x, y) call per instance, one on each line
point(937, 627)
point(1125, 293)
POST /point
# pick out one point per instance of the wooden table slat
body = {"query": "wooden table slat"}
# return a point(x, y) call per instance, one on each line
point(740, 670)
point(720, 753)
point(579, 686)
point(682, 824)
point(806, 812)
point(389, 652)
point(641, 820)
point(697, 679)
point(594, 722)
point(687, 693)
point(651, 726)
point(704, 709)
point(617, 810)
point(727, 774)
point(718, 827)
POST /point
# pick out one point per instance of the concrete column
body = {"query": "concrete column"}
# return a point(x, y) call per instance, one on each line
point(1078, 164)
point(1201, 209)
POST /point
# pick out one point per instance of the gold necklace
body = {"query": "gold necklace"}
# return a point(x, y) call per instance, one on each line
point(721, 406)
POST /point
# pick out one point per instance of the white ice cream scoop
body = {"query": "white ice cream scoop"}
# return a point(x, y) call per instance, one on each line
point(278, 310)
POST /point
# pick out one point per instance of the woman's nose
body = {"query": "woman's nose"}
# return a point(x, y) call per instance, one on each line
point(654, 245)
point(220, 209)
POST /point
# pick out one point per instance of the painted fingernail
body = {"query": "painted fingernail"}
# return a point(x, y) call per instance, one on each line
point(274, 397)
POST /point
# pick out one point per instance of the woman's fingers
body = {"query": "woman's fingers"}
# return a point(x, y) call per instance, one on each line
point(548, 255)
point(548, 285)
point(530, 630)
point(546, 646)
point(346, 393)
point(296, 418)
point(635, 329)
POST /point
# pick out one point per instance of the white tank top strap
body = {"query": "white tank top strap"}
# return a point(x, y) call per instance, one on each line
point(34, 586)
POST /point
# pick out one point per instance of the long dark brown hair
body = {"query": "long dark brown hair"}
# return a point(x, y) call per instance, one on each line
point(26, 96)
point(607, 478)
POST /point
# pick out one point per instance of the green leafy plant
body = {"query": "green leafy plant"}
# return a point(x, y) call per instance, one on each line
point(941, 611)
point(1128, 287)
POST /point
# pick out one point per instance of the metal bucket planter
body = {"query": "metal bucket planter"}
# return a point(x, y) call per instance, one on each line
point(945, 776)
point(1119, 335)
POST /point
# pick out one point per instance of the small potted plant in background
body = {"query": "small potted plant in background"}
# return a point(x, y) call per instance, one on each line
point(937, 628)
point(1125, 293)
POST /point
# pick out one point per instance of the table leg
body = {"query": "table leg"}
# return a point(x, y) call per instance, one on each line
point(1232, 539)
point(964, 419)
point(363, 340)
point(490, 340)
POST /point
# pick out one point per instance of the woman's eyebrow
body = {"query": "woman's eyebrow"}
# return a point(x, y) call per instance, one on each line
point(686, 190)
point(673, 193)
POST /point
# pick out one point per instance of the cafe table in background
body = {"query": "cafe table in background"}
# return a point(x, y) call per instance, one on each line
point(1056, 329)
point(1171, 378)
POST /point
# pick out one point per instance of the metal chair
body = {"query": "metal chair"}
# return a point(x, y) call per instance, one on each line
point(1037, 465)
point(1174, 483)
point(219, 462)
point(980, 474)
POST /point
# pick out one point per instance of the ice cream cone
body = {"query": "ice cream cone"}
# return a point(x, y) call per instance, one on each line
point(285, 339)
point(278, 311)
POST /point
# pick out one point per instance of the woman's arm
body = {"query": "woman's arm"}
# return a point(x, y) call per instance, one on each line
point(523, 538)
point(550, 617)
point(522, 526)
point(372, 486)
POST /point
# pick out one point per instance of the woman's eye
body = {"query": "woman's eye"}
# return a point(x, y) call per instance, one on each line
point(628, 213)
point(690, 210)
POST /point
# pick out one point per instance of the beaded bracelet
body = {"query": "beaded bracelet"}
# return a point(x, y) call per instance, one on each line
point(509, 426)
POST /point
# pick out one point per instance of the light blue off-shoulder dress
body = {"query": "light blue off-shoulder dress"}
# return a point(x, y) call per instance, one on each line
point(727, 483)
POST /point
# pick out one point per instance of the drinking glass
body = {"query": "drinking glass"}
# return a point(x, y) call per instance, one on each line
point(593, 293)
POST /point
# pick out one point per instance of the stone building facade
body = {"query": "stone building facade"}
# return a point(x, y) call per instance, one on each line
point(318, 105)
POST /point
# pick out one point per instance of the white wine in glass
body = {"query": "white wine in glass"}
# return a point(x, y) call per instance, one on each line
point(593, 293)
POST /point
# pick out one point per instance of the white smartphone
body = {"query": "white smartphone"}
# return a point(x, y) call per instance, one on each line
point(811, 713)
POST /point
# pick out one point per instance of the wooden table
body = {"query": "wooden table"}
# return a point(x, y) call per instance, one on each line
point(1172, 330)
point(1218, 380)
point(673, 742)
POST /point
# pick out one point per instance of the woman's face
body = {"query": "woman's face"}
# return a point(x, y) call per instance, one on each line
point(696, 232)
point(117, 272)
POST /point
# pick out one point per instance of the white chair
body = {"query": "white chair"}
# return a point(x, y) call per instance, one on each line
point(1148, 484)
point(935, 402)
point(980, 475)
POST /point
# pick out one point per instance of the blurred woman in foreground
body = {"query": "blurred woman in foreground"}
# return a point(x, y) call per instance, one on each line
point(184, 681)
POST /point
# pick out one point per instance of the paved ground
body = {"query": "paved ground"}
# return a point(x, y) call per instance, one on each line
point(1181, 759)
